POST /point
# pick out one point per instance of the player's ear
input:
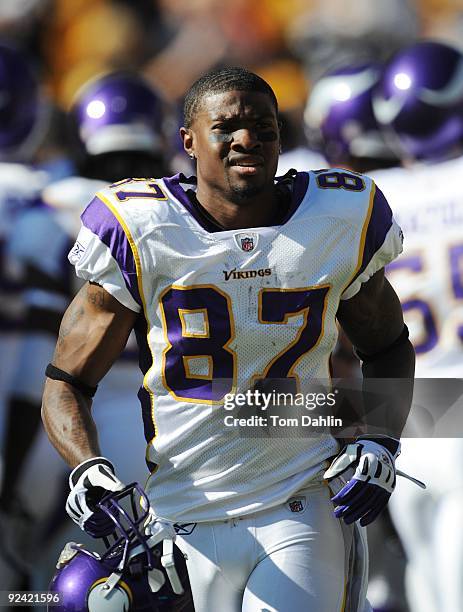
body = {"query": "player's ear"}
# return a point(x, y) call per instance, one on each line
point(187, 138)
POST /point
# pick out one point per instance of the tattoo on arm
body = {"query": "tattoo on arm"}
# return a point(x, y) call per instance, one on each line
point(95, 295)
point(72, 316)
point(93, 333)
point(68, 422)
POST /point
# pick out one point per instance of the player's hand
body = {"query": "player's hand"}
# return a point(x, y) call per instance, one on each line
point(368, 491)
point(90, 482)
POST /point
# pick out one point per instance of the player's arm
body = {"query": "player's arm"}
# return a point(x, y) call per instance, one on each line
point(373, 322)
point(93, 333)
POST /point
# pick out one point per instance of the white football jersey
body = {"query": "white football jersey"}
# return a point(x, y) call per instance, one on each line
point(428, 276)
point(220, 308)
point(20, 188)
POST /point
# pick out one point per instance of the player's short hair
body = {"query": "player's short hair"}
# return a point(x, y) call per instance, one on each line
point(220, 81)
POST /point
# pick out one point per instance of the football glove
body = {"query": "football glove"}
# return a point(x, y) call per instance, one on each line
point(368, 491)
point(90, 481)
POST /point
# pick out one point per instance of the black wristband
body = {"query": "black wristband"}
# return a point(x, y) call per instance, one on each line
point(401, 339)
point(57, 374)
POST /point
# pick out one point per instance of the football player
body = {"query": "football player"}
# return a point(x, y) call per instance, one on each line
point(339, 119)
point(117, 125)
point(22, 115)
point(419, 102)
point(232, 279)
point(23, 125)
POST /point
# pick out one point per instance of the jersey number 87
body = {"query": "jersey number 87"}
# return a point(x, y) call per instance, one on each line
point(275, 306)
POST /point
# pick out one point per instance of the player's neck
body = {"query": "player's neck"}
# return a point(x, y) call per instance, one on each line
point(257, 211)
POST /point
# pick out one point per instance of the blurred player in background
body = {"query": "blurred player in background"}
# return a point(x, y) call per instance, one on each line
point(340, 123)
point(117, 131)
point(23, 118)
point(419, 102)
point(24, 115)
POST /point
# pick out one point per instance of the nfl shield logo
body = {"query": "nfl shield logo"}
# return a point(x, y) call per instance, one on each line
point(296, 504)
point(247, 242)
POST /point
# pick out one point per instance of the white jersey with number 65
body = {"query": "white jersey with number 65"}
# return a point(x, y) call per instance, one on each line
point(427, 201)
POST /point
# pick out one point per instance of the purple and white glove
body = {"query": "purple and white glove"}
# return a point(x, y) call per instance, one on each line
point(90, 481)
point(367, 493)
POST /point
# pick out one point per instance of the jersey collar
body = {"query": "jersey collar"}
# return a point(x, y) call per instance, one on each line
point(183, 188)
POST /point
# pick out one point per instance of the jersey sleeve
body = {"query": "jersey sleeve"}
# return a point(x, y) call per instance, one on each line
point(381, 243)
point(102, 254)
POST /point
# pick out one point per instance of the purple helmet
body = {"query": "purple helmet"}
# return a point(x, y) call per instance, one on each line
point(21, 108)
point(339, 117)
point(118, 112)
point(419, 99)
point(125, 577)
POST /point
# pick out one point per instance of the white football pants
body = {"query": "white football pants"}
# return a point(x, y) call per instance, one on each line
point(290, 558)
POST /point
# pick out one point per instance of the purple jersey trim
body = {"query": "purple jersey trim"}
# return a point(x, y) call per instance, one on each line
point(145, 361)
point(379, 225)
point(174, 186)
point(99, 219)
point(149, 430)
point(298, 191)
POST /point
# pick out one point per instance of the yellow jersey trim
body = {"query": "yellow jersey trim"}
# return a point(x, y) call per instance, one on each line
point(138, 269)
